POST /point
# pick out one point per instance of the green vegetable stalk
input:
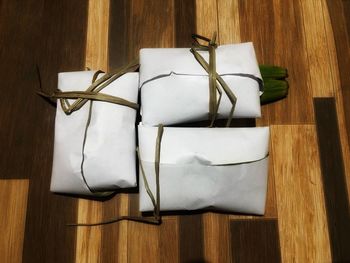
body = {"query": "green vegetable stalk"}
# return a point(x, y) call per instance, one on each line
point(275, 84)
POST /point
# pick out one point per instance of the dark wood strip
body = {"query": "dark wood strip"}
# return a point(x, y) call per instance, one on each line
point(19, 39)
point(255, 240)
point(191, 238)
point(51, 35)
point(56, 42)
point(339, 12)
point(185, 22)
point(118, 37)
point(333, 176)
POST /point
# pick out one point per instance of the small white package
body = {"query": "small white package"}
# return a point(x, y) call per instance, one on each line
point(200, 168)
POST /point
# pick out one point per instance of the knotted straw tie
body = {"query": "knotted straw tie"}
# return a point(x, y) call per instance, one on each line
point(215, 80)
point(156, 220)
point(93, 91)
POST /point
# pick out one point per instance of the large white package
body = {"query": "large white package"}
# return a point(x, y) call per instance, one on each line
point(109, 151)
point(175, 89)
point(217, 168)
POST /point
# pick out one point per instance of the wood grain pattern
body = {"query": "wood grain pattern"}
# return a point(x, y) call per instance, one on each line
point(228, 22)
point(339, 12)
point(169, 240)
point(299, 191)
point(143, 243)
point(261, 236)
point(332, 167)
point(318, 48)
point(185, 22)
point(206, 18)
point(191, 238)
point(37, 33)
point(96, 56)
point(310, 38)
point(13, 208)
point(217, 241)
point(88, 243)
point(275, 27)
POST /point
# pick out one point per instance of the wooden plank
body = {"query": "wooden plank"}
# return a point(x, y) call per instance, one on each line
point(143, 243)
point(151, 18)
point(119, 35)
point(299, 191)
point(333, 175)
point(265, 24)
point(320, 61)
point(216, 237)
point(228, 22)
point(339, 12)
point(55, 40)
point(206, 18)
point(114, 236)
point(13, 208)
point(191, 238)
point(88, 243)
point(339, 100)
point(185, 22)
point(21, 39)
point(169, 240)
point(255, 240)
point(96, 56)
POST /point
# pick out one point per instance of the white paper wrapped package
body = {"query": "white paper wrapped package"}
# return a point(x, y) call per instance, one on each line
point(109, 152)
point(216, 168)
point(175, 87)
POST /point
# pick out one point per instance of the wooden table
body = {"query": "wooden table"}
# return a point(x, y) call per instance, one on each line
point(307, 217)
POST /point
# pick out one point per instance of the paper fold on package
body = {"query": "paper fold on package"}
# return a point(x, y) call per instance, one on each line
point(175, 89)
point(109, 152)
point(217, 168)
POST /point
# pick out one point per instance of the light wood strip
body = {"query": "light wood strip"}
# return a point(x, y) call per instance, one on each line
point(299, 192)
point(143, 243)
point(169, 240)
point(122, 254)
point(88, 247)
point(317, 48)
point(216, 235)
point(97, 35)
point(89, 239)
point(13, 208)
point(228, 22)
point(206, 18)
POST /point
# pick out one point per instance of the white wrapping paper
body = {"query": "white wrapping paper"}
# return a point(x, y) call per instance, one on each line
point(175, 87)
point(216, 168)
point(109, 152)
